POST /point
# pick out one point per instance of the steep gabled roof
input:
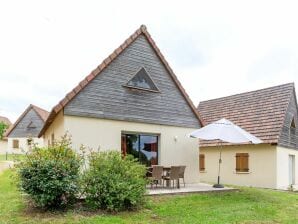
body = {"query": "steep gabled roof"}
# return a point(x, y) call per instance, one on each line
point(5, 120)
point(97, 71)
point(261, 112)
point(43, 114)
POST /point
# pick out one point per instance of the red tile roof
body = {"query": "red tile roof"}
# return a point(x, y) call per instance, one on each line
point(261, 112)
point(43, 114)
point(97, 71)
point(5, 120)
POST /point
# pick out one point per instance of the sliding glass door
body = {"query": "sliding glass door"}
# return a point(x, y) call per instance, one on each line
point(143, 147)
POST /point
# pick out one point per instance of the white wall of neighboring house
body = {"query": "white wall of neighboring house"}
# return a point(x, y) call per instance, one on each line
point(23, 144)
point(3, 146)
point(262, 165)
point(283, 169)
point(175, 148)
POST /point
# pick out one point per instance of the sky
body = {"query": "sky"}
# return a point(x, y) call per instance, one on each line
point(216, 48)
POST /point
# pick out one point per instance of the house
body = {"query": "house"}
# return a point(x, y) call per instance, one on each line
point(271, 115)
point(26, 129)
point(134, 103)
point(3, 141)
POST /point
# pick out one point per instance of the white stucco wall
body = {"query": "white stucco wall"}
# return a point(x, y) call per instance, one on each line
point(23, 144)
point(262, 165)
point(3, 146)
point(175, 148)
point(283, 167)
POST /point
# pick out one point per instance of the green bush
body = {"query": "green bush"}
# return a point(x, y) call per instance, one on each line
point(50, 175)
point(114, 183)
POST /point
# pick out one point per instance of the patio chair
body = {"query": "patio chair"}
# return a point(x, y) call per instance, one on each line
point(181, 173)
point(173, 175)
point(156, 177)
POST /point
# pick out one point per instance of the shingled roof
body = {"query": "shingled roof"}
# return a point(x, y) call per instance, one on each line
point(43, 114)
point(97, 71)
point(261, 112)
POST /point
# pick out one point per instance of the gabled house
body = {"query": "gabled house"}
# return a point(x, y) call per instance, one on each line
point(134, 103)
point(271, 115)
point(26, 129)
point(3, 141)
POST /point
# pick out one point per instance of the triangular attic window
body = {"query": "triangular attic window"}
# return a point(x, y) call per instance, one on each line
point(31, 125)
point(143, 81)
point(293, 125)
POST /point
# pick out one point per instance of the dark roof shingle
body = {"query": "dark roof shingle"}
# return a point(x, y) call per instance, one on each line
point(97, 71)
point(261, 112)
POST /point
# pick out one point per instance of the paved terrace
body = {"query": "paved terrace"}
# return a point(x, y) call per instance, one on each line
point(189, 188)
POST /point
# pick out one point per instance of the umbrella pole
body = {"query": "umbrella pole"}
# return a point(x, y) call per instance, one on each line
point(218, 185)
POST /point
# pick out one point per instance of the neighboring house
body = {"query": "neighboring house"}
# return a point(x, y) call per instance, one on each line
point(25, 130)
point(271, 115)
point(132, 102)
point(3, 141)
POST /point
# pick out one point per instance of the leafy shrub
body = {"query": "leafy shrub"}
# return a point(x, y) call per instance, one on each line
point(50, 175)
point(114, 183)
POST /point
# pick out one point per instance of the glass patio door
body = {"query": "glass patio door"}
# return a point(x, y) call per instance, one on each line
point(143, 147)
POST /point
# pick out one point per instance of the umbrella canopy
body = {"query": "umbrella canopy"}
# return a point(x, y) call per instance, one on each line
point(226, 131)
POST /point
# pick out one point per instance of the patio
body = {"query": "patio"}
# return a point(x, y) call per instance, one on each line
point(189, 188)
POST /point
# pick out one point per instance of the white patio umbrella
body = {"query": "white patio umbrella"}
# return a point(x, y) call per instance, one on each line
point(226, 131)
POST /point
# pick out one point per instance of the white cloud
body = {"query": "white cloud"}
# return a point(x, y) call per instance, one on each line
point(216, 48)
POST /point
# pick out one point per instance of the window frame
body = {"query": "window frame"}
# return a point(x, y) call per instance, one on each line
point(138, 134)
point(140, 88)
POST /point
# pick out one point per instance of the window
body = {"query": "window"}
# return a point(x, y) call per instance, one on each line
point(15, 144)
point(143, 81)
point(202, 162)
point(31, 126)
point(144, 147)
point(242, 162)
point(29, 141)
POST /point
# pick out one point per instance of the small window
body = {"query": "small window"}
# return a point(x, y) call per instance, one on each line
point(202, 162)
point(242, 162)
point(142, 80)
point(31, 125)
point(15, 144)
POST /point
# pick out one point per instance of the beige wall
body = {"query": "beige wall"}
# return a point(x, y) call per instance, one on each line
point(56, 128)
point(283, 167)
point(175, 148)
point(23, 144)
point(3, 146)
point(262, 165)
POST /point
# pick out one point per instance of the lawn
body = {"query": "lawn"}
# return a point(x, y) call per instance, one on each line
point(10, 157)
point(247, 206)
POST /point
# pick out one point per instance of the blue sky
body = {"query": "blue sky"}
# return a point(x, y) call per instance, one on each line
point(216, 48)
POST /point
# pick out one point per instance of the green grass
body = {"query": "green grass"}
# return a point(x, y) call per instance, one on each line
point(250, 205)
point(11, 157)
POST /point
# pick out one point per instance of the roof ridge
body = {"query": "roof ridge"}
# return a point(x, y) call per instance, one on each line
point(97, 71)
point(257, 90)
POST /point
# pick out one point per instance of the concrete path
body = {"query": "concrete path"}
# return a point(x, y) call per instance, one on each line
point(4, 165)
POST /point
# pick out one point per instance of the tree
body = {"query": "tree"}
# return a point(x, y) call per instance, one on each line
point(3, 128)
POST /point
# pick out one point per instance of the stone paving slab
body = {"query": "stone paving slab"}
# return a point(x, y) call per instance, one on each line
point(189, 188)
